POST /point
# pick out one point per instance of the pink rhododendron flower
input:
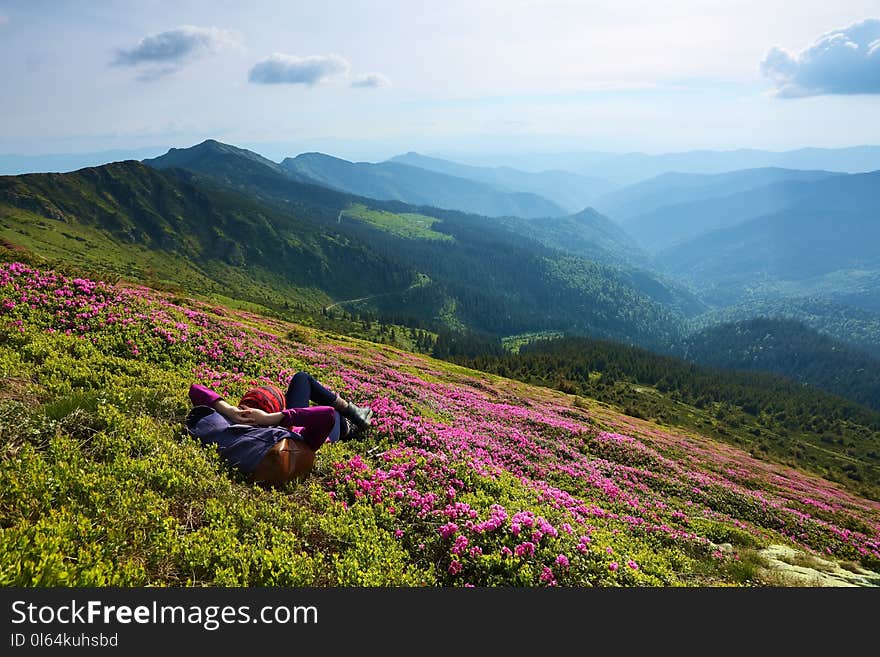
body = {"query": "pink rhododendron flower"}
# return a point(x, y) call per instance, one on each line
point(448, 529)
point(526, 548)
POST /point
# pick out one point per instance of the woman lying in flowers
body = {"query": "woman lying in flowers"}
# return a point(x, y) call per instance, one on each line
point(273, 436)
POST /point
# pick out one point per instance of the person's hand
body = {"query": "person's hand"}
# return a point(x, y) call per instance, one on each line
point(239, 416)
point(234, 414)
point(259, 417)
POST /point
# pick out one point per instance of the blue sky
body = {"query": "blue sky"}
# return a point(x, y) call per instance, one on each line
point(368, 80)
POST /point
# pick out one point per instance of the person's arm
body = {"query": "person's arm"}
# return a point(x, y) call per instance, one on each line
point(310, 418)
point(234, 414)
point(261, 418)
point(200, 395)
point(313, 423)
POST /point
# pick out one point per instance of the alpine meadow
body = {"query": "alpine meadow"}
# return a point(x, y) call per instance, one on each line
point(578, 308)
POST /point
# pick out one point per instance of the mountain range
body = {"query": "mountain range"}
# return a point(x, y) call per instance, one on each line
point(616, 168)
point(629, 168)
point(393, 181)
point(630, 205)
point(295, 237)
point(237, 225)
point(822, 240)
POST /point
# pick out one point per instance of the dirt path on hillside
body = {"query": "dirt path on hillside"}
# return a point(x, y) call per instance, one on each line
point(374, 296)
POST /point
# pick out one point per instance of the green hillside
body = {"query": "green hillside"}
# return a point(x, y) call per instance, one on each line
point(127, 219)
point(466, 479)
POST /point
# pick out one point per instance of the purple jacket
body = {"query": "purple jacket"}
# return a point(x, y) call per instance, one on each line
point(244, 445)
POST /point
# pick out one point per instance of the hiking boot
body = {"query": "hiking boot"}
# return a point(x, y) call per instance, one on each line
point(346, 429)
point(353, 433)
point(359, 417)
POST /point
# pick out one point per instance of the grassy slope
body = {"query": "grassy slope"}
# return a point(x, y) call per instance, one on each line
point(768, 415)
point(88, 249)
point(128, 219)
point(408, 225)
point(467, 478)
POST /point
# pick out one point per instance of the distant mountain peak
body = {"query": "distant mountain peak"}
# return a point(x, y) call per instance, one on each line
point(203, 156)
point(315, 155)
point(209, 145)
point(588, 213)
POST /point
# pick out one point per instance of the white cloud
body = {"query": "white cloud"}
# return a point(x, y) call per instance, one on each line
point(160, 54)
point(371, 81)
point(293, 69)
point(844, 61)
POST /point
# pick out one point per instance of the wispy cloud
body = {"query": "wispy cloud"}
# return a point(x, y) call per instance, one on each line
point(843, 61)
point(158, 55)
point(371, 81)
point(293, 69)
point(4, 20)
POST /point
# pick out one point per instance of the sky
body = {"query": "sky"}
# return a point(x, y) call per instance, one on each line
point(367, 80)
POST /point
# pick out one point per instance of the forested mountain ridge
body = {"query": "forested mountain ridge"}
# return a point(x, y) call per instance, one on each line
point(790, 349)
point(855, 327)
point(484, 278)
point(586, 233)
point(392, 181)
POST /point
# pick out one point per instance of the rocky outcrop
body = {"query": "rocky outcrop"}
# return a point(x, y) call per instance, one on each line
point(791, 567)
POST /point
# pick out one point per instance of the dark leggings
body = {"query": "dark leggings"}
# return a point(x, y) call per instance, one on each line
point(304, 388)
